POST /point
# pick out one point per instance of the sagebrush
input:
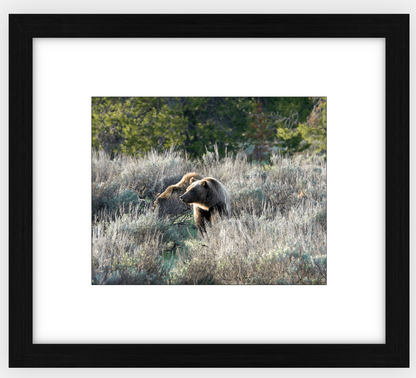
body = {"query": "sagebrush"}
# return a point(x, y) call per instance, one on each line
point(276, 234)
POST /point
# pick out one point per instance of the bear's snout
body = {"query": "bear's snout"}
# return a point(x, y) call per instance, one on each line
point(185, 198)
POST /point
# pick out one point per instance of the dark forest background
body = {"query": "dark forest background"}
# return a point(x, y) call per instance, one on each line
point(258, 125)
point(269, 152)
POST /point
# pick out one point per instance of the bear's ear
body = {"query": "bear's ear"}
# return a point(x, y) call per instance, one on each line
point(204, 183)
point(191, 180)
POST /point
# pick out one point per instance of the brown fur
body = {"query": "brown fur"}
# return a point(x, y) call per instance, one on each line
point(178, 189)
point(208, 197)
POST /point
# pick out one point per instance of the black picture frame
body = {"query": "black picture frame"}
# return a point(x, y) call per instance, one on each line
point(24, 27)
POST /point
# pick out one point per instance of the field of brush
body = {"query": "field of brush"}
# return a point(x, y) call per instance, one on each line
point(275, 235)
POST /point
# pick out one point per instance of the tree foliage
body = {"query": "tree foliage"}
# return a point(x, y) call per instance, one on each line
point(314, 130)
point(135, 125)
point(311, 133)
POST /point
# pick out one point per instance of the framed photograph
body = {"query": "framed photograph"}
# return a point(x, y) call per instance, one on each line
point(208, 140)
point(209, 190)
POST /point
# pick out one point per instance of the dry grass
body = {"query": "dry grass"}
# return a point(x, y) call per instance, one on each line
point(276, 235)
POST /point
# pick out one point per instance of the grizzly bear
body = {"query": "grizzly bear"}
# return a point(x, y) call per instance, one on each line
point(208, 197)
point(168, 201)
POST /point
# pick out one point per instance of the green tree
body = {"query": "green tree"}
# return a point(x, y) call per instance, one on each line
point(133, 125)
point(314, 130)
point(281, 115)
point(220, 121)
point(310, 132)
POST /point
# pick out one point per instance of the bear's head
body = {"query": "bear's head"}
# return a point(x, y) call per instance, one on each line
point(168, 195)
point(196, 193)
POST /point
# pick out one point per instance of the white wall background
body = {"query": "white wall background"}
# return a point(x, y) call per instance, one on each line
point(161, 6)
